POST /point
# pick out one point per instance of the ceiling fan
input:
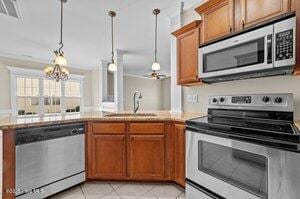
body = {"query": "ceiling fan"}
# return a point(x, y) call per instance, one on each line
point(155, 75)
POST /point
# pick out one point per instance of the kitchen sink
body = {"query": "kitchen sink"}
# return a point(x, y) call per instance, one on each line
point(131, 115)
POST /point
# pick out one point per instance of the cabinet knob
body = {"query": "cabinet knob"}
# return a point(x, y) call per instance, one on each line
point(230, 28)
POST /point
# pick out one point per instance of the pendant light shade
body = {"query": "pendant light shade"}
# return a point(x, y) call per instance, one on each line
point(60, 60)
point(112, 66)
point(155, 65)
point(57, 72)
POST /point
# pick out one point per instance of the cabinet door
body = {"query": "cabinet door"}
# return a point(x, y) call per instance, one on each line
point(187, 56)
point(180, 154)
point(293, 5)
point(109, 157)
point(146, 158)
point(217, 16)
point(256, 11)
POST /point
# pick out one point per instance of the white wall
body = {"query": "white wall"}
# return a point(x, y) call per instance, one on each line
point(5, 80)
point(279, 84)
point(166, 93)
point(96, 89)
point(152, 92)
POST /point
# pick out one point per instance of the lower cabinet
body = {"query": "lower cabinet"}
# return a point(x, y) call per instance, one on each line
point(179, 131)
point(136, 151)
point(109, 156)
point(146, 157)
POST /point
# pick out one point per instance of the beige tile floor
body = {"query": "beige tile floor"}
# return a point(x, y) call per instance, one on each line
point(114, 190)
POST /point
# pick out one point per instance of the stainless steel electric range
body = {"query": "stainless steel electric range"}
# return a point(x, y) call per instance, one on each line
point(247, 147)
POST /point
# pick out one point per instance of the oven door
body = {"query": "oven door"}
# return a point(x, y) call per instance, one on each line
point(248, 52)
point(234, 169)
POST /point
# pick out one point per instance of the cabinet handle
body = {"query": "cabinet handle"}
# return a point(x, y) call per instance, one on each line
point(230, 29)
point(243, 24)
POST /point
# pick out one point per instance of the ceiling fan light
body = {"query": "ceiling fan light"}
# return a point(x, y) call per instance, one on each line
point(112, 67)
point(60, 60)
point(156, 66)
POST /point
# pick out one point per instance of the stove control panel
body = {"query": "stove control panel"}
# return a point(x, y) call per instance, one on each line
point(253, 102)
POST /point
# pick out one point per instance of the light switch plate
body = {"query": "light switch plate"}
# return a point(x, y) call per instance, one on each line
point(192, 98)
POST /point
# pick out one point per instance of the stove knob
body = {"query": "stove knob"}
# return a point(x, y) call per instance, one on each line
point(214, 100)
point(222, 99)
point(278, 100)
point(265, 99)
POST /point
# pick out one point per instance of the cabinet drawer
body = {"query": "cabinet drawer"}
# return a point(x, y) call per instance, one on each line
point(147, 128)
point(109, 128)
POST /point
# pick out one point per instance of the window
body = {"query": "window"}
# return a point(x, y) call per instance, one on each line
point(33, 95)
point(52, 96)
point(72, 96)
point(27, 96)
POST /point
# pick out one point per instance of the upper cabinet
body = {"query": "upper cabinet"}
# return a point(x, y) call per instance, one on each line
point(188, 41)
point(256, 11)
point(222, 17)
point(217, 16)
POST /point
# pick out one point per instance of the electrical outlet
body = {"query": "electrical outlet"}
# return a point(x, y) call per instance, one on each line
point(192, 98)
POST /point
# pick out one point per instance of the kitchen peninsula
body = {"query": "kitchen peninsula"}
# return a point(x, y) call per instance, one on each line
point(122, 147)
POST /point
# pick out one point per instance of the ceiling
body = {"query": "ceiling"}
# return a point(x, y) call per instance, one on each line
point(87, 32)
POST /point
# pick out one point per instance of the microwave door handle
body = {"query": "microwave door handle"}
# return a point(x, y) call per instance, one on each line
point(269, 49)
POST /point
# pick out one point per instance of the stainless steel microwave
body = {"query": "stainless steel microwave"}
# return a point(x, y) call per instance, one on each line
point(265, 51)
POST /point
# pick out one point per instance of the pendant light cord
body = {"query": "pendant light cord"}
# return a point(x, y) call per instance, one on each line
point(61, 28)
point(155, 51)
point(112, 40)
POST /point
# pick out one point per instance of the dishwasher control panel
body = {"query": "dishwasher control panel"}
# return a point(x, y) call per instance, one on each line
point(30, 135)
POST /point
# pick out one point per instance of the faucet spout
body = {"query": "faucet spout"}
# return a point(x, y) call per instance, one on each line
point(136, 102)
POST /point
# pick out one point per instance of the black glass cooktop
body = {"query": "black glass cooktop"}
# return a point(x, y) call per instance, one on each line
point(269, 129)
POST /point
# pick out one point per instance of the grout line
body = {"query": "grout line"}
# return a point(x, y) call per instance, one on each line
point(115, 190)
point(149, 191)
point(177, 197)
point(82, 191)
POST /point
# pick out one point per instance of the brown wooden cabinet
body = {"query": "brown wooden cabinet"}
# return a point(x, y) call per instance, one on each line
point(217, 16)
point(126, 151)
point(109, 157)
point(179, 130)
point(293, 5)
point(106, 150)
point(188, 40)
point(257, 11)
point(146, 158)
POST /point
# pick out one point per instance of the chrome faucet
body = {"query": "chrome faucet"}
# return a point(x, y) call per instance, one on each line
point(136, 102)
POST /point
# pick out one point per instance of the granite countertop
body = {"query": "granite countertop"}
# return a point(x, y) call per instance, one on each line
point(15, 122)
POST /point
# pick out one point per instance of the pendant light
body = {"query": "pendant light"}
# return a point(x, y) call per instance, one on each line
point(155, 65)
point(112, 66)
point(57, 72)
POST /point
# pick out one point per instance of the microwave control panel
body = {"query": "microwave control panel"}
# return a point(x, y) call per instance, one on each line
point(284, 45)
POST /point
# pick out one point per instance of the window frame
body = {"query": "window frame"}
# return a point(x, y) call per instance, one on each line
point(31, 73)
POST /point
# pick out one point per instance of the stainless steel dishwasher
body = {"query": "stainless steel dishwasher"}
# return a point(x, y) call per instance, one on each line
point(49, 159)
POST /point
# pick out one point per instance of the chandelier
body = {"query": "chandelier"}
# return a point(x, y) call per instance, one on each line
point(58, 72)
